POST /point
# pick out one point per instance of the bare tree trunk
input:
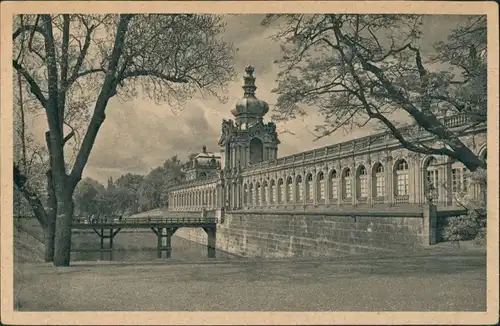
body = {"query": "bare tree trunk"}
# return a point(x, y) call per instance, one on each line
point(50, 229)
point(49, 235)
point(62, 239)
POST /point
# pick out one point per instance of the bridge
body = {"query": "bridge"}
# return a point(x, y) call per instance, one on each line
point(163, 227)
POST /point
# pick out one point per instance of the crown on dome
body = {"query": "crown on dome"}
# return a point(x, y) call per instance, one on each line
point(249, 105)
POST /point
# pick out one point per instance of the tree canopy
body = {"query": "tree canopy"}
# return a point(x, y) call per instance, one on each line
point(365, 67)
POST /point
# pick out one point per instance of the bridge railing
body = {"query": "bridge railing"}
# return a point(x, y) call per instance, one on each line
point(147, 220)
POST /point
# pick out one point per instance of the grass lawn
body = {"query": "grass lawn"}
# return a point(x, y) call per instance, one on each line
point(437, 280)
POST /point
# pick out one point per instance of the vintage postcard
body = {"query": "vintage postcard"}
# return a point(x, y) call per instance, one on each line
point(249, 162)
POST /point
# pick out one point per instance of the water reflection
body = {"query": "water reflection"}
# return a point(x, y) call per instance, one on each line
point(140, 247)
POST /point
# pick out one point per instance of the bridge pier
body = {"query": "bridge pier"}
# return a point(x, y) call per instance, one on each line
point(211, 241)
point(111, 236)
point(160, 234)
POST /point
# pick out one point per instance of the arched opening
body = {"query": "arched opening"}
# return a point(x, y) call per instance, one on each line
point(289, 190)
point(258, 194)
point(362, 184)
point(378, 183)
point(265, 189)
point(459, 180)
point(281, 190)
point(309, 187)
point(250, 194)
point(347, 185)
point(272, 194)
point(333, 184)
point(401, 180)
point(245, 194)
point(256, 151)
point(320, 186)
point(298, 188)
point(432, 177)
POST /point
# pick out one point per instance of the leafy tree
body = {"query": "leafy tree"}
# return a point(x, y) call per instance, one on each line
point(88, 196)
point(74, 64)
point(154, 188)
point(361, 68)
point(127, 192)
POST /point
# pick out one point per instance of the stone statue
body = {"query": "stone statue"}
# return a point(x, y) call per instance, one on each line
point(271, 128)
point(227, 128)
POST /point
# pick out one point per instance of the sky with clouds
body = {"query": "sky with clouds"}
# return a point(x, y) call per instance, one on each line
point(139, 135)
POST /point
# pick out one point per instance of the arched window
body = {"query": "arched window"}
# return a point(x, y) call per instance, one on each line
point(258, 194)
point(265, 189)
point(347, 184)
point(309, 187)
point(320, 186)
point(432, 177)
point(298, 188)
point(273, 192)
point(214, 199)
point(458, 178)
point(334, 193)
point(378, 181)
point(401, 178)
point(281, 190)
point(256, 151)
point(289, 190)
point(251, 194)
point(245, 194)
point(362, 184)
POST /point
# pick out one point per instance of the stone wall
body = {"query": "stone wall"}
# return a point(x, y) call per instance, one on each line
point(310, 234)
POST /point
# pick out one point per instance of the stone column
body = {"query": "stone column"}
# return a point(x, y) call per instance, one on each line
point(247, 158)
point(327, 186)
point(411, 178)
point(370, 183)
point(304, 188)
point(390, 181)
point(354, 185)
point(429, 234)
point(340, 187)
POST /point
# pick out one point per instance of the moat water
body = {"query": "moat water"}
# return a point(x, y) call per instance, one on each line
point(140, 246)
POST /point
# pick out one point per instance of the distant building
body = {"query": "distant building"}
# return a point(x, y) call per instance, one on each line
point(203, 165)
point(368, 171)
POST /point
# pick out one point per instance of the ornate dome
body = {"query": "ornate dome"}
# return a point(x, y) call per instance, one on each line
point(250, 105)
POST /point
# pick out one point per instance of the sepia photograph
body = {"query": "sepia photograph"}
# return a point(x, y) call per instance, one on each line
point(201, 159)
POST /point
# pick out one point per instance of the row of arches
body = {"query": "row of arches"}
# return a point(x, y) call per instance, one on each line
point(332, 185)
point(375, 183)
point(403, 181)
point(207, 198)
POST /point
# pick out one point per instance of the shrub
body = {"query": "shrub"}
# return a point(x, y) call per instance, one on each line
point(471, 226)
